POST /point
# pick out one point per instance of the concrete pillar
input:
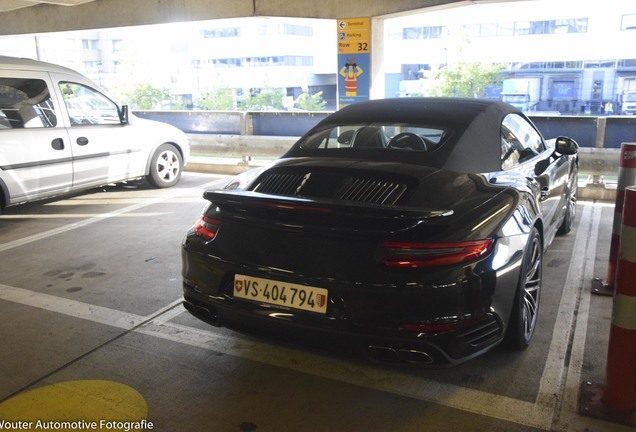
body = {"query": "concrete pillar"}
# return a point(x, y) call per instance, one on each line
point(600, 140)
point(377, 58)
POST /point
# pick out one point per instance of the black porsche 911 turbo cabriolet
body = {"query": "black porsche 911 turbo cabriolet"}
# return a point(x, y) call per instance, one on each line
point(412, 228)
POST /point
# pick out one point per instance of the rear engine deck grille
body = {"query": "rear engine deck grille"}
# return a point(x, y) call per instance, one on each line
point(339, 187)
point(280, 184)
point(372, 191)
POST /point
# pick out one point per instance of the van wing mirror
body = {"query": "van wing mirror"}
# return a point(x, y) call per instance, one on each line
point(566, 146)
point(123, 114)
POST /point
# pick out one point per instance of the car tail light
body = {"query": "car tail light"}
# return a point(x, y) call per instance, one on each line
point(407, 254)
point(206, 227)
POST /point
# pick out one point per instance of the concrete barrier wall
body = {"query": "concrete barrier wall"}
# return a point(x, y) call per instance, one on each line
point(234, 154)
point(593, 161)
point(239, 146)
point(588, 131)
point(228, 142)
point(261, 123)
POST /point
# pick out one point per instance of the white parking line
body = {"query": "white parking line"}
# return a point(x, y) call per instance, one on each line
point(569, 409)
point(91, 220)
point(553, 377)
point(75, 215)
point(71, 308)
point(559, 375)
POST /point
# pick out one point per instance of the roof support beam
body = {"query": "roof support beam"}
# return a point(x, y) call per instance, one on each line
point(98, 14)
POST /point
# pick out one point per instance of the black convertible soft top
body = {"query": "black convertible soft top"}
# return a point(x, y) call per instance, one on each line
point(473, 145)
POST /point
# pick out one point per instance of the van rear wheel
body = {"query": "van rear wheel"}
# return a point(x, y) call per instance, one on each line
point(165, 167)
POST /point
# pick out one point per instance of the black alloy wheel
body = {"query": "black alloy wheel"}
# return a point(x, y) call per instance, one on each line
point(525, 313)
point(570, 212)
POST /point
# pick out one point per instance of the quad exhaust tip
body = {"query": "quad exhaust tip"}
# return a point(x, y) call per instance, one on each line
point(410, 356)
point(207, 314)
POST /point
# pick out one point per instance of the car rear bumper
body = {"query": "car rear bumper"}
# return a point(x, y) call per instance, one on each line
point(378, 344)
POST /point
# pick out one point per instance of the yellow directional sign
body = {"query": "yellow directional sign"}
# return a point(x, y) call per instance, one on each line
point(354, 59)
point(353, 36)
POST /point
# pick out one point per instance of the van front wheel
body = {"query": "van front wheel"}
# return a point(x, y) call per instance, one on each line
point(165, 167)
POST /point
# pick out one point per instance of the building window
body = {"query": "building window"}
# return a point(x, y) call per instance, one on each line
point(296, 30)
point(592, 64)
point(92, 67)
point(118, 45)
point(90, 44)
point(431, 32)
point(506, 29)
point(263, 61)
point(523, 28)
point(569, 64)
point(628, 22)
point(573, 25)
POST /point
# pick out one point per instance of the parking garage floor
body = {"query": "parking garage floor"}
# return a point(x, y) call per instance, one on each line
point(93, 337)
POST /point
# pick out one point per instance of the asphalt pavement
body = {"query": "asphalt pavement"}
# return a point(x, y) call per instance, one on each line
point(93, 337)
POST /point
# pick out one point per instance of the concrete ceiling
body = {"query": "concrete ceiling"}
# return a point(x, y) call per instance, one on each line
point(9, 5)
point(42, 16)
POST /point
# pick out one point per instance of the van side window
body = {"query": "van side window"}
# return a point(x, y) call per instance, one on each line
point(87, 106)
point(25, 103)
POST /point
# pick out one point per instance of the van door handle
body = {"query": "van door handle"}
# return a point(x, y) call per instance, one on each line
point(57, 144)
point(82, 141)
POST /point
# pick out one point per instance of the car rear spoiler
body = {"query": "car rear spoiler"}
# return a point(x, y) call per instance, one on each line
point(242, 201)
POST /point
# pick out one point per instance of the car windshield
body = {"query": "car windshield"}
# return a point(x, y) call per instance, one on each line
point(378, 136)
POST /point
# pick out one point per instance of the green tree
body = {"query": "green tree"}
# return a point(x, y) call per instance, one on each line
point(263, 99)
point(218, 99)
point(465, 79)
point(146, 97)
point(310, 102)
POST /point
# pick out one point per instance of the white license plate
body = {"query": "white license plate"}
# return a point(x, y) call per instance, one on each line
point(273, 292)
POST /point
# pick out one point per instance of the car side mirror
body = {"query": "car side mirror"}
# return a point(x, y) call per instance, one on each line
point(566, 146)
point(123, 114)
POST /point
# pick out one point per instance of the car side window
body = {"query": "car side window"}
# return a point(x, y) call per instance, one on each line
point(520, 141)
point(87, 106)
point(25, 103)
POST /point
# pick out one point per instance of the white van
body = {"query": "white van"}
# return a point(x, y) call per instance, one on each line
point(60, 132)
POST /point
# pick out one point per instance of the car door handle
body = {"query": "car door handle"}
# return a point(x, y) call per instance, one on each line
point(82, 141)
point(57, 144)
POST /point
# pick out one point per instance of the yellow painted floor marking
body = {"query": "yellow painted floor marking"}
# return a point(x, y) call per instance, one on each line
point(77, 406)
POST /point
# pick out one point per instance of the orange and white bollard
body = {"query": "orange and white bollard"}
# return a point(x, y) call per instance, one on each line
point(616, 400)
point(626, 177)
point(620, 380)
